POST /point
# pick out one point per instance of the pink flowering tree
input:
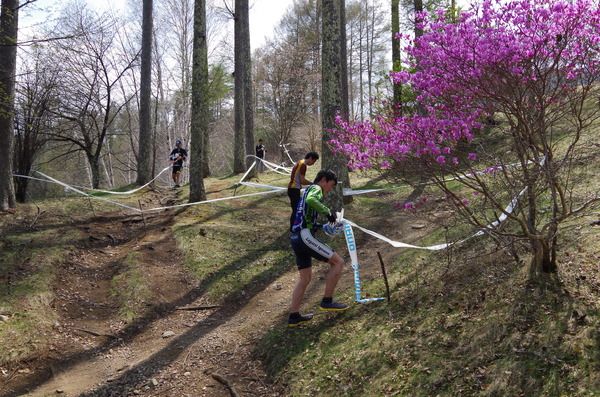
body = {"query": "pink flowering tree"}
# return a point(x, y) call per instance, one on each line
point(511, 91)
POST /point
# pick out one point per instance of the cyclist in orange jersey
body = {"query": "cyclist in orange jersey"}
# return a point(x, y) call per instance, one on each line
point(297, 179)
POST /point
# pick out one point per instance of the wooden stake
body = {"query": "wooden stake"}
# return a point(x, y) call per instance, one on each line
point(142, 212)
point(91, 206)
point(387, 286)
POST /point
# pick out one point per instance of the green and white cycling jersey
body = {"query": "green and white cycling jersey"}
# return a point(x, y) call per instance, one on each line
point(309, 208)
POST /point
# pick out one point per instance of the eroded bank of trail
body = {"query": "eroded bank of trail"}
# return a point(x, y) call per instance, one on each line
point(185, 345)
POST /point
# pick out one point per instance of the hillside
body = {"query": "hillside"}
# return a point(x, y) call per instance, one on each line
point(100, 301)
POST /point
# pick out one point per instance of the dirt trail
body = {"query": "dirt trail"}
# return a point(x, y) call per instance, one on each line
point(171, 351)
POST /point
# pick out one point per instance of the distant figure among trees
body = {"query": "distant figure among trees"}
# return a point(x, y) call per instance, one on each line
point(177, 157)
point(260, 153)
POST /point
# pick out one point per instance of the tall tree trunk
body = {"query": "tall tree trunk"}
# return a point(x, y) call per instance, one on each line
point(25, 162)
point(248, 92)
point(22, 163)
point(418, 4)
point(335, 92)
point(370, 55)
point(95, 170)
point(238, 100)
point(421, 110)
point(9, 22)
point(200, 106)
point(161, 113)
point(396, 56)
point(145, 158)
point(361, 94)
point(345, 105)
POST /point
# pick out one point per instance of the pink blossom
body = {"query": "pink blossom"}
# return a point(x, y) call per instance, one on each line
point(466, 69)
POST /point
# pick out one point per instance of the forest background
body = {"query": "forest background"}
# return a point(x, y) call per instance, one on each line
point(77, 90)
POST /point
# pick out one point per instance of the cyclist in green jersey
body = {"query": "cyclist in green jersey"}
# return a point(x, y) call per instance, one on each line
point(306, 246)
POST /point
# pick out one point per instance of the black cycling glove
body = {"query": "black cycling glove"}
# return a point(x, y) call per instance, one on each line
point(331, 218)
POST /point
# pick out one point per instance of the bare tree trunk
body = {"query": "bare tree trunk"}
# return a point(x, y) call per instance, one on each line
point(332, 99)
point(23, 156)
point(544, 256)
point(396, 52)
point(161, 131)
point(418, 4)
point(351, 91)
point(145, 158)
point(361, 94)
point(95, 169)
point(108, 173)
point(418, 33)
point(88, 171)
point(238, 101)
point(9, 22)
point(33, 98)
point(344, 109)
point(200, 106)
point(243, 14)
point(370, 54)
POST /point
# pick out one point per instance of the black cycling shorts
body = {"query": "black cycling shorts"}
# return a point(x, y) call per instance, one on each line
point(307, 246)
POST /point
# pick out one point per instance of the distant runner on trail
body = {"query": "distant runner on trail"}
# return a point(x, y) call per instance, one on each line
point(177, 157)
point(306, 246)
point(297, 179)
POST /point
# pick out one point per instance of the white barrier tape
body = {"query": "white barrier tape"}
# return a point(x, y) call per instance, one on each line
point(351, 243)
point(47, 181)
point(86, 194)
point(262, 186)
point(350, 192)
point(134, 190)
point(32, 178)
point(271, 166)
point(96, 190)
point(247, 172)
point(276, 167)
point(509, 209)
point(211, 201)
point(284, 146)
point(397, 244)
point(156, 208)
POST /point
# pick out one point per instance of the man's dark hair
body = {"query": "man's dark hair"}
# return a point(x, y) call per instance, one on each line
point(312, 155)
point(328, 174)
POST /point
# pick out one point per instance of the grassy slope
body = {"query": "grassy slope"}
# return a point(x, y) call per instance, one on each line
point(33, 244)
point(466, 322)
point(470, 322)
